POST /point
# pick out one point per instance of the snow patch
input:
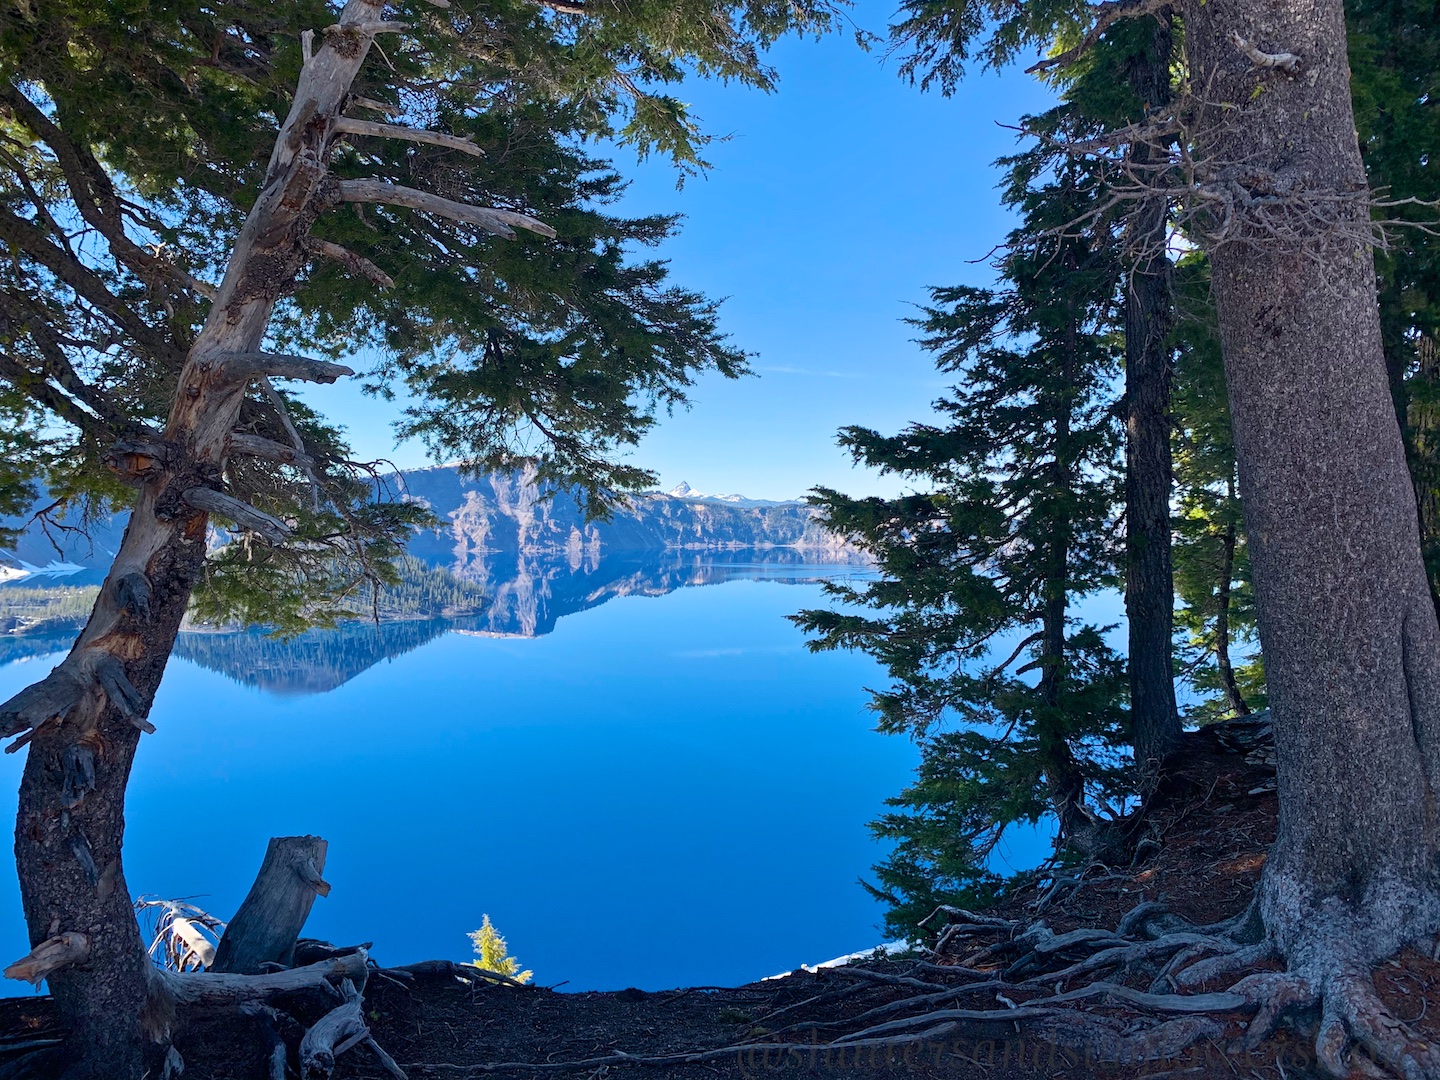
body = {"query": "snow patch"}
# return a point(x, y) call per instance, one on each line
point(889, 948)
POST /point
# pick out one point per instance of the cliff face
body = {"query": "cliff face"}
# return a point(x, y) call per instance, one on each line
point(507, 513)
point(483, 516)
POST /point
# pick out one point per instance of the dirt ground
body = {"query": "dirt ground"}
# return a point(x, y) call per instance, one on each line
point(1200, 854)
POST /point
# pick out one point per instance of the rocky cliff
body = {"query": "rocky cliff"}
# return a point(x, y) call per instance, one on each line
point(508, 513)
point(485, 516)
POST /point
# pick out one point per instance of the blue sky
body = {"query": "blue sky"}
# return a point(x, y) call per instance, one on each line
point(831, 206)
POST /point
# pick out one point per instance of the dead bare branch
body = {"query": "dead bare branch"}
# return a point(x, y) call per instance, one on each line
point(499, 222)
point(1285, 61)
point(350, 260)
point(349, 126)
point(1105, 15)
point(241, 513)
point(254, 365)
point(50, 956)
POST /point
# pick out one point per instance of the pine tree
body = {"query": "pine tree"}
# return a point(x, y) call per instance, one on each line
point(979, 571)
point(492, 954)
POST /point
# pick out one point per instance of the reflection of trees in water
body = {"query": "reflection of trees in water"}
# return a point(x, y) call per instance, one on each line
point(312, 663)
point(17, 647)
point(525, 597)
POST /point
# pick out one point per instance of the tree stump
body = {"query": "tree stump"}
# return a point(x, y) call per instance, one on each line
point(266, 927)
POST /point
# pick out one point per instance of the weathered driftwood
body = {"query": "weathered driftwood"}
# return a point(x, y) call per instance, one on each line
point(335, 1032)
point(207, 988)
point(52, 954)
point(266, 927)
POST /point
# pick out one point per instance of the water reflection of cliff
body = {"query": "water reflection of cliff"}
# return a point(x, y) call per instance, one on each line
point(527, 597)
point(314, 662)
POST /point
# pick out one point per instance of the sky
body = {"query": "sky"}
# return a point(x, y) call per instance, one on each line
point(832, 204)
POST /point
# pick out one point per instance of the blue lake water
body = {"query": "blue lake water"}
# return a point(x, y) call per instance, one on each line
point(662, 791)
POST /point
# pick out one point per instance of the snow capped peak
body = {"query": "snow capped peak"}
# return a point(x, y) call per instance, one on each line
point(683, 490)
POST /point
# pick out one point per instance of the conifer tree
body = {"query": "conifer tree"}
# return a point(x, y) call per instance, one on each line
point(492, 953)
point(1017, 707)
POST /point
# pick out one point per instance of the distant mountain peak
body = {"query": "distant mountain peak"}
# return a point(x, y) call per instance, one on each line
point(683, 490)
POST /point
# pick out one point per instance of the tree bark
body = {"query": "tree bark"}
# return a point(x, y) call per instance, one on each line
point(70, 824)
point(268, 923)
point(1149, 577)
point(1350, 637)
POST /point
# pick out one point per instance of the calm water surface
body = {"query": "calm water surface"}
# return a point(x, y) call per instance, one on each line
point(664, 791)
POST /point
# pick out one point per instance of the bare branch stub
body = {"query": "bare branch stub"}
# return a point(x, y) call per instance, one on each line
point(110, 673)
point(50, 956)
point(133, 593)
point(54, 696)
point(1284, 61)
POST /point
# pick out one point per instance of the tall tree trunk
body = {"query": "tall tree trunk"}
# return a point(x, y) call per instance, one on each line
point(85, 718)
point(1222, 619)
point(1350, 637)
point(1149, 577)
point(1066, 784)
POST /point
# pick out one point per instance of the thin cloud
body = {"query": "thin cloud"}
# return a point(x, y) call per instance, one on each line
point(784, 369)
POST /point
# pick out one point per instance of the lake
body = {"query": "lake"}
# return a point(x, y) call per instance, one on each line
point(660, 791)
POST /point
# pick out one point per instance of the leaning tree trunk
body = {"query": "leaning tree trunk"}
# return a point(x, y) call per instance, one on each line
point(85, 719)
point(1351, 643)
point(1149, 577)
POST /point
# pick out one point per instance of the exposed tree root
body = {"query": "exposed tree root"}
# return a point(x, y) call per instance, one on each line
point(1357, 1032)
point(1079, 996)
